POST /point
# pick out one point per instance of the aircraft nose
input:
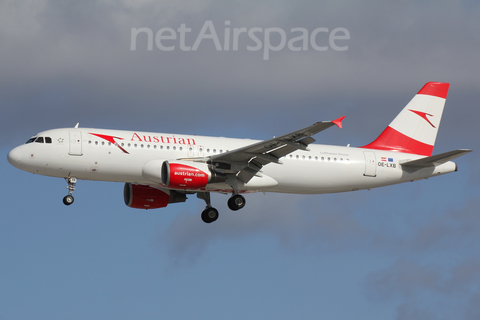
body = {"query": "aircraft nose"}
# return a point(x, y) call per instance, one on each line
point(15, 157)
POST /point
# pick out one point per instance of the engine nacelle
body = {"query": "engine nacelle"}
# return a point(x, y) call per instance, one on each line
point(179, 174)
point(147, 197)
point(152, 170)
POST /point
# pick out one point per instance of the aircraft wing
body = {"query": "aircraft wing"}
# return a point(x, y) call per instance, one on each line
point(247, 161)
point(436, 159)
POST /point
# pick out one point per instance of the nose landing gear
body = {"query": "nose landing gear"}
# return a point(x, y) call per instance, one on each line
point(68, 199)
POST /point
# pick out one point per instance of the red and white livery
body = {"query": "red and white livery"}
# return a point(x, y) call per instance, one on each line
point(159, 168)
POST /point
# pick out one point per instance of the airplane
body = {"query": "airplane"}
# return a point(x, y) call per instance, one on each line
point(159, 169)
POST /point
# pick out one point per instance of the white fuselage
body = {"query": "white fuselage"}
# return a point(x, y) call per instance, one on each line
point(115, 155)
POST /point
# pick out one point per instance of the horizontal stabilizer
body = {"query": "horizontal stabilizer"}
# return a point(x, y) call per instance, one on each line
point(436, 159)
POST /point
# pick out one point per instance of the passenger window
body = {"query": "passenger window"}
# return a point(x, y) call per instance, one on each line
point(48, 140)
point(39, 140)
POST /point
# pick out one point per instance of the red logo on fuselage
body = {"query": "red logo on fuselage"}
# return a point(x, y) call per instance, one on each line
point(142, 138)
point(110, 139)
point(423, 115)
point(162, 139)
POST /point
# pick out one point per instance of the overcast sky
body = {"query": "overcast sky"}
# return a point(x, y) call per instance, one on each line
point(402, 252)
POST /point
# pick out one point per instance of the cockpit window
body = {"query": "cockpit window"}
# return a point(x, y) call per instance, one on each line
point(31, 140)
point(39, 140)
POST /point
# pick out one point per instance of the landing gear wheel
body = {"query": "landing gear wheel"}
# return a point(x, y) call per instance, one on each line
point(68, 200)
point(209, 215)
point(236, 202)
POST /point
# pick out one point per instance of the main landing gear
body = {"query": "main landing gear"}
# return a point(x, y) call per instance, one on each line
point(236, 202)
point(68, 199)
point(210, 214)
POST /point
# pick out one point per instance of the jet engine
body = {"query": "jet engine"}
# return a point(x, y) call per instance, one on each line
point(179, 174)
point(147, 197)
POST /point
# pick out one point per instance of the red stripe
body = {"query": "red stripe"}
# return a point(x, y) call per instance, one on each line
point(436, 89)
point(392, 140)
point(105, 137)
point(110, 139)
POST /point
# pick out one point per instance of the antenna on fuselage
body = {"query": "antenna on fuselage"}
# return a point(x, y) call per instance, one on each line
point(76, 126)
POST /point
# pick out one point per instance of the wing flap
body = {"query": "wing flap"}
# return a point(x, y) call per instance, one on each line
point(278, 146)
point(251, 158)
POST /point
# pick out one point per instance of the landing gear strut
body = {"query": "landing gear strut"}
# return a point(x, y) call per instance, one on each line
point(210, 214)
point(236, 201)
point(68, 199)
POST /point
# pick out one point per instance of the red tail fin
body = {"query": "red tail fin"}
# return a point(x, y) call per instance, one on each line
point(415, 128)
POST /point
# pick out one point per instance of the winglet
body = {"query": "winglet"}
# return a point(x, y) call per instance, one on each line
point(338, 122)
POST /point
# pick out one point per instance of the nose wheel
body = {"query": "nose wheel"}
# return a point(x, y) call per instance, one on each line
point(72, 182)
point(68, 200)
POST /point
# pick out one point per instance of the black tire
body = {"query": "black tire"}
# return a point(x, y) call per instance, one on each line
point(236, 202)
point(68, 200)
point(209, 215)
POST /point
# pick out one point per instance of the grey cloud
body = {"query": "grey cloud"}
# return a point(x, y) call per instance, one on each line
point(456, 228)
point(420, 231)
point(464, 277)
point(65, 62)
point(473, 306)
point(70, 62)
point(452, 292)
point(72, 59)
point(404, 279)
point(285, 218)
point(320, 224)
point(415, 310)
